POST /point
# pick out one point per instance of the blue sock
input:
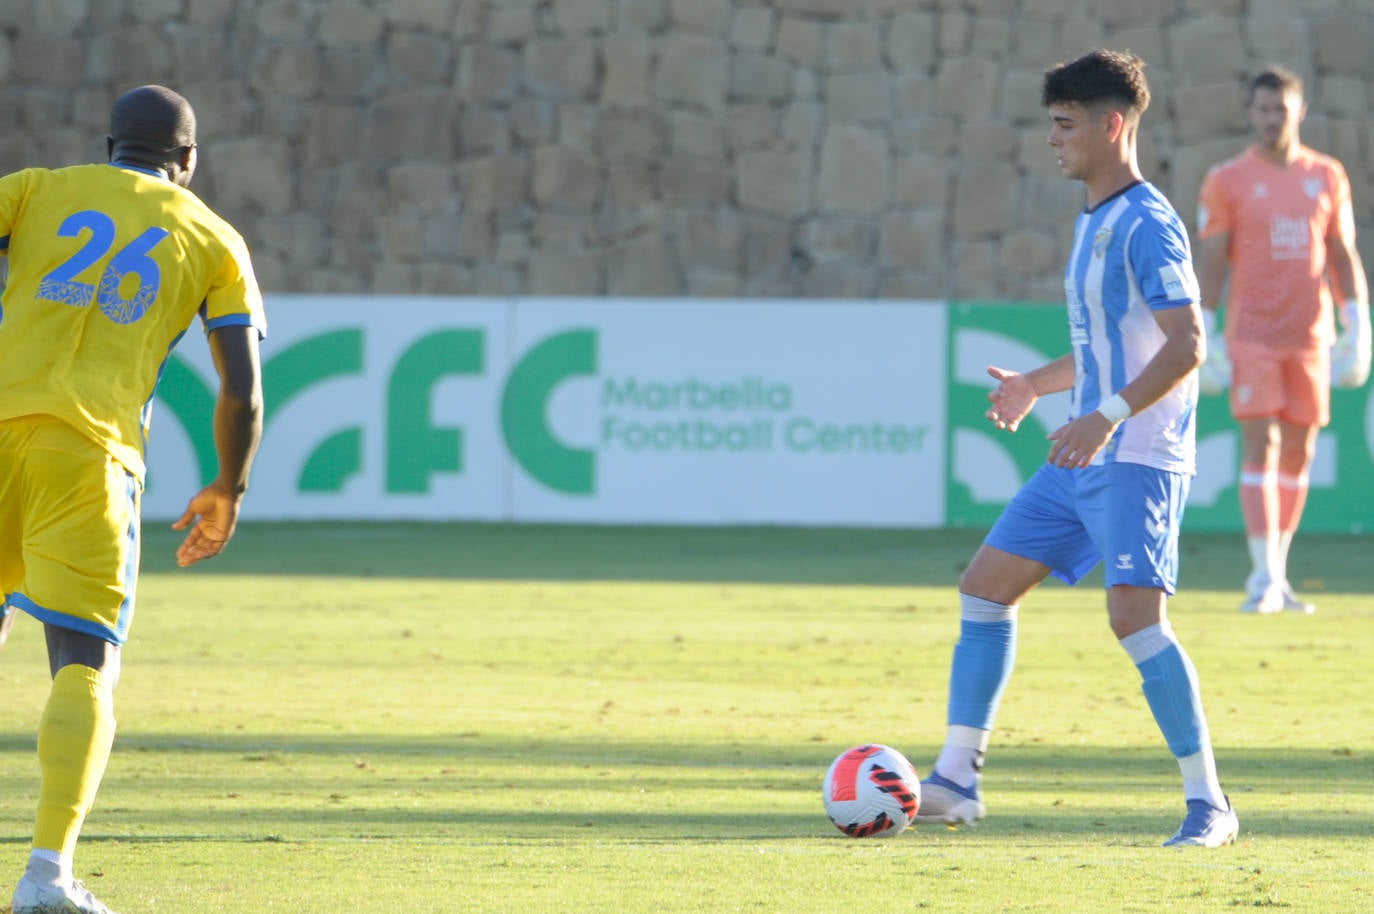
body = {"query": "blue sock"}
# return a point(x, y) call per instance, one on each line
point(983, 661)
point(1169, 681)
point(1170, 684)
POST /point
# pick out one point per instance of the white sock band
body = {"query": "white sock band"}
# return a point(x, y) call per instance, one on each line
point(1200, 781)
point(52, 867)
point(976, 609)
point(1148, 642)
point(963, 737)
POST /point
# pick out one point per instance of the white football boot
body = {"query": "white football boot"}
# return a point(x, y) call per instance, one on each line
point(33, 896)
point(1263, 595)
point(1206, 826)
point(946, 802)
point(1292, 603)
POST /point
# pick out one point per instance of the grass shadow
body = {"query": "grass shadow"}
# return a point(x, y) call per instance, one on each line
point(772, 555)
point(461, 790)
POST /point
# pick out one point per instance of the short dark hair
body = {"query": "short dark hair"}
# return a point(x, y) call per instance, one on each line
point(1098, 77)
point(1276, 78)
point(153, 119)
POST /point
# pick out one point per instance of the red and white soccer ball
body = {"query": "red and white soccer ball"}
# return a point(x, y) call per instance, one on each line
point(872, 791)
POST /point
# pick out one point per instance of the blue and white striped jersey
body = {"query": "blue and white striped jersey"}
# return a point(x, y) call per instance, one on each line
point(1131, 258)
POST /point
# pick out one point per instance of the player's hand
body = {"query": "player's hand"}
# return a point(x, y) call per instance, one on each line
point(1076, 443)
point(1214, 374)
point(1350, 355)
point(212, 516)
point(1011, 399)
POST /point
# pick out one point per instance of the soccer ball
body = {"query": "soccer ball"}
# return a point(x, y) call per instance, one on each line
point(871, 791)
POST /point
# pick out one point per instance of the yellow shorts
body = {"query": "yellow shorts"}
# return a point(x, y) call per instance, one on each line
point(69, 528)
point(1292, 385)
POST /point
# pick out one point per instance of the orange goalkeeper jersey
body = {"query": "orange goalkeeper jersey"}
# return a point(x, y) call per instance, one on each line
point(1280, 219)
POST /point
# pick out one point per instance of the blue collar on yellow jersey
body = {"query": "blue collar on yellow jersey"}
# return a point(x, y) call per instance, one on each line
point(155, 172)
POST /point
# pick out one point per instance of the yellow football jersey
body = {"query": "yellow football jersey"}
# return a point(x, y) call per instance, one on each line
point(108, 267)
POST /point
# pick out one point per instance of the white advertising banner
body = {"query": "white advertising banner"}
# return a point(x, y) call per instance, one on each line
point(580, 410)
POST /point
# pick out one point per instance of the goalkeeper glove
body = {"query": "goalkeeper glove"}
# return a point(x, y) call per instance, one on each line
point(1350, 355)
point(1214, 374)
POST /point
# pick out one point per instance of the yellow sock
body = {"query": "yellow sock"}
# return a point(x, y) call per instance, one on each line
point(74, 740)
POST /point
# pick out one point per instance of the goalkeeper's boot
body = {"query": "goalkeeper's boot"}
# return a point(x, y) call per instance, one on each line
point(946, 802)
point(1205, 826)
point(1263, 595)
point(34, 896)
point(1293, 603)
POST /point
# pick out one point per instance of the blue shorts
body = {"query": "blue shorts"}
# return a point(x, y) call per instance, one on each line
point(1070, 519)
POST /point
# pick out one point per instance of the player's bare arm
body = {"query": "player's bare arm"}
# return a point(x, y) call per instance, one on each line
point(1016, 393)
point(1347, 269)
point(212, 514)
point(1212, 264)
point(1076, 443)
point(1351, 354)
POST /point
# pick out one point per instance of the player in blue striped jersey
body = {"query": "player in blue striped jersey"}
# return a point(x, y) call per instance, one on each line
point(1113, 486)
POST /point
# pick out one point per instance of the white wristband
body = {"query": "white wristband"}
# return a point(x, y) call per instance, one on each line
point(1115, 408)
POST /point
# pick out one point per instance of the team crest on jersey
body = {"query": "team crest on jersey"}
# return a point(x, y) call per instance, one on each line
point(1261, 191)
point(1312, 187)
point(1101, 240)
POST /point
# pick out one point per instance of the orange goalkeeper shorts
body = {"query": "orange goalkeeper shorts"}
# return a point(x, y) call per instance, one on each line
point(1291, 385)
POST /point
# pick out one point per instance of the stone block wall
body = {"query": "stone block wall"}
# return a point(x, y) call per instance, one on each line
point(851, 148)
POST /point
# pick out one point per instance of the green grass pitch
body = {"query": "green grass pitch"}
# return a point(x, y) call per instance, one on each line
point(469, 718)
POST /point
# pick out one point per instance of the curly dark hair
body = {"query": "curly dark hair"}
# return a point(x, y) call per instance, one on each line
point(1098, 77)
point(1277, 78)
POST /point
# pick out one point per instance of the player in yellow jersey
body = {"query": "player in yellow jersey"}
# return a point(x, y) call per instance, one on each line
point(108, 266)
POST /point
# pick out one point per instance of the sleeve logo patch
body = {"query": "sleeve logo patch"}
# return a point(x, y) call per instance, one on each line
point(1179, 281)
